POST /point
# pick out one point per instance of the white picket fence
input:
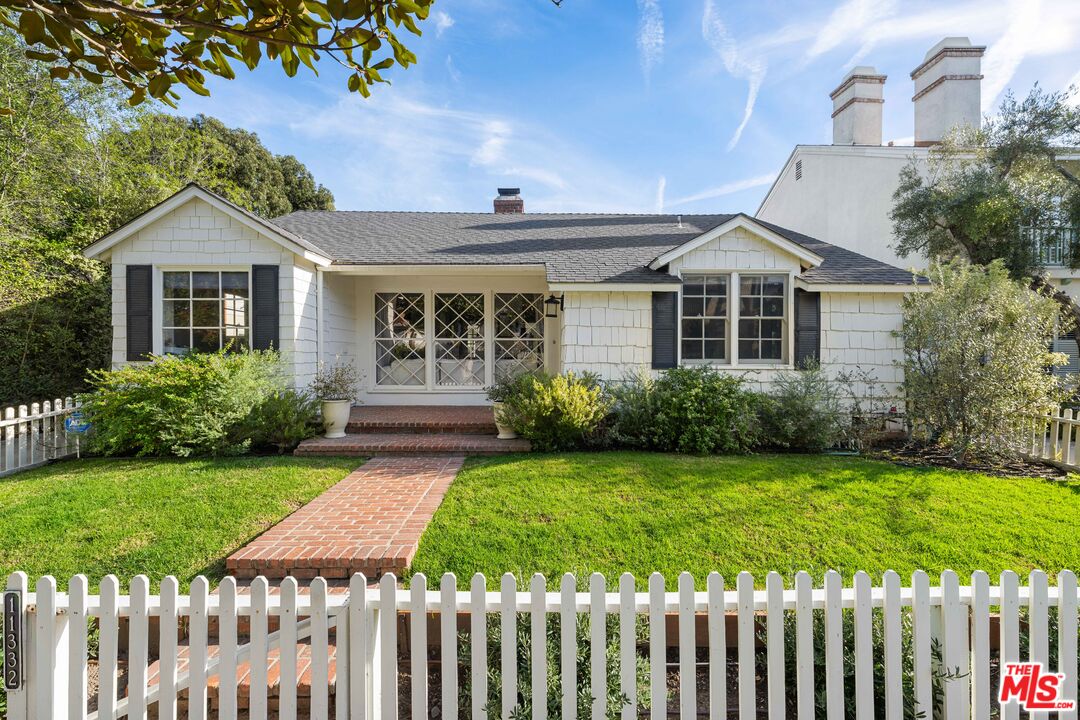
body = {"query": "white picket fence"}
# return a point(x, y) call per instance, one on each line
point(369, 652)
point(1054, 438)
point(35, 434)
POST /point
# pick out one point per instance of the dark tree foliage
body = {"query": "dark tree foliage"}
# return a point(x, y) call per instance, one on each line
point(75, 163)
point(999, 192)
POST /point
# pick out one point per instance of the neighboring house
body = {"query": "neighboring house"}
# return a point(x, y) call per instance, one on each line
point(432, 307)
point(844, 192)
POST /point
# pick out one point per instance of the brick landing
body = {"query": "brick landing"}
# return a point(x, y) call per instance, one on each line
point(369, 522)
point(476, 420)
point(410, 444)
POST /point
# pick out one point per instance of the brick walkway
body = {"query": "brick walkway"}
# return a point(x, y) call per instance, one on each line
point(369, 522)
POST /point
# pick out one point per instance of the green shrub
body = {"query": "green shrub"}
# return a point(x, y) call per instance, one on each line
point(196, 404)
point(976, 353)
point(283, 420)
point(632, 417)
point(559, 412)
point(694, 410)
point(805, 411)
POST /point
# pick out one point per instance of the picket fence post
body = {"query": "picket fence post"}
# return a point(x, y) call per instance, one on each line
point(768, 622)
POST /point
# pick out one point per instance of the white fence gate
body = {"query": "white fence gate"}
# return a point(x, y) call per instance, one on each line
point(965, 630)
point(35, 434)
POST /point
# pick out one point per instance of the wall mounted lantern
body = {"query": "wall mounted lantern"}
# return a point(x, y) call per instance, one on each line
point(552, 306)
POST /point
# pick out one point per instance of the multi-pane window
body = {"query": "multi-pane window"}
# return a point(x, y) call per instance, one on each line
point(519, 333)
point(459, 339)
point(400, 349)
point(761, 317)
point(704, 317)
point(204, 310)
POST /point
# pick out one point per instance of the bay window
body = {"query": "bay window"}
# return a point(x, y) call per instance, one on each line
point(204, 310)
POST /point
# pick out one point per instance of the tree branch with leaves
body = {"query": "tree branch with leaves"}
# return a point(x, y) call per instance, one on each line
point(1001, 192)
point(151, 46)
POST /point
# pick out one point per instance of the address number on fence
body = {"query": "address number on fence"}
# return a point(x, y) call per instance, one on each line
point(13, 670)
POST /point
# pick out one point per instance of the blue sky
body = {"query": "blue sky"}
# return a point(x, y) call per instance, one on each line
point(680, 106)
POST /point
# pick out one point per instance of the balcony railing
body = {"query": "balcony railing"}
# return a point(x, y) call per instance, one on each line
point(1052, 244)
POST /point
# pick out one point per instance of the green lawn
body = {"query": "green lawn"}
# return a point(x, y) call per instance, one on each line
point(155, 517)
point(640, 513)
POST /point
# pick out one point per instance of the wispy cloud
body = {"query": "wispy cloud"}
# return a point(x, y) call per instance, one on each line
point(435, 157)
point(737, 63)
point(1004, 56)
point(443, 22)
point(451, 69)
point(849, 21)
point(726, 189)
point(650, 38)
point(661, 185)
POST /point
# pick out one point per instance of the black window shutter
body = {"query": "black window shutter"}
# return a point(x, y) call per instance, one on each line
point(665, 330)
point(807, 327)
point(140, 311)
point(265, 305)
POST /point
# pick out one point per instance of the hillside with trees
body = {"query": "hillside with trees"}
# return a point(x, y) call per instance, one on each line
point(76, 161)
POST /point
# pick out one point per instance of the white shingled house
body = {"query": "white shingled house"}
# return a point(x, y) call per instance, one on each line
point(843, 192)
point(433, 307)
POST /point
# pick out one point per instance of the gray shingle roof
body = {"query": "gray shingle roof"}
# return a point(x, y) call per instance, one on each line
point(572, 247)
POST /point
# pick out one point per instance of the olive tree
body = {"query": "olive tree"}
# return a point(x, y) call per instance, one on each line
point(977, 358)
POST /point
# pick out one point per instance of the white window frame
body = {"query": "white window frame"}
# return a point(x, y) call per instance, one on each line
point(785, 319)
point(728, 349)
point(734, 362)
point(158, 290)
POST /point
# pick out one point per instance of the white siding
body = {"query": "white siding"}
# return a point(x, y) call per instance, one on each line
point(857, 332)
point(844, 197)
point(198, 235)
point(299, 300)
point(738, 249)
point(608, 333)
point(340, 326)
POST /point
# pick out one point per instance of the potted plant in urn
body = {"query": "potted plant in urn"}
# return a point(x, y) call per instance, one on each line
point(335, 386)
point(503, 389)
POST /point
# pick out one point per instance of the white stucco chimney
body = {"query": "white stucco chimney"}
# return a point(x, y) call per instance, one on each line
point(857, 107)
point(948, 89)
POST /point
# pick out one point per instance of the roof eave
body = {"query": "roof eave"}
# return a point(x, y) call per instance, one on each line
point(192, 191)
point(745, 221)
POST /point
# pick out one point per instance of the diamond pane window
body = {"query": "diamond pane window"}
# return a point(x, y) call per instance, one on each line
point(704, 317)
point(400, 349)
point(205, 310)
point(519, 334)
point(459, 339)
point(762, 317)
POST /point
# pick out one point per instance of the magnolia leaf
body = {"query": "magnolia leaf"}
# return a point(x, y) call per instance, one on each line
point(32, 27)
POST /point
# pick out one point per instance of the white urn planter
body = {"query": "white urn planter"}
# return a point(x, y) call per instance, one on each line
point(335, 414)
point(505, 431)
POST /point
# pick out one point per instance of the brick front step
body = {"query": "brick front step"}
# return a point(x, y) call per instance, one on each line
point(422, 419)
point(373, 443)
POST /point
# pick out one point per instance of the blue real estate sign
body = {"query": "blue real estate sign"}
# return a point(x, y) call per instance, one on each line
point(76, 422)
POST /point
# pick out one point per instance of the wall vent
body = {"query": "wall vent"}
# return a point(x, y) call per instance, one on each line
point(798, 169)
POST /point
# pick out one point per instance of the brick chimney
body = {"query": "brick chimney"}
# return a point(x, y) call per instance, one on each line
point(857, 107)
point(948, 90)
point(509, 202)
